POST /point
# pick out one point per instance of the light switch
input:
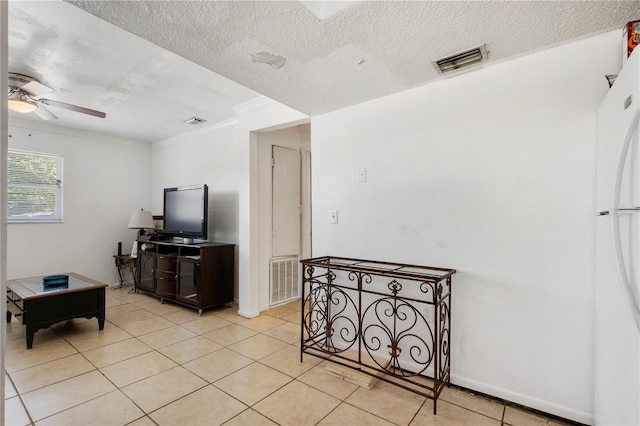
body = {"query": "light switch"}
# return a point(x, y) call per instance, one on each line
point(362, 175)
point(333, 216)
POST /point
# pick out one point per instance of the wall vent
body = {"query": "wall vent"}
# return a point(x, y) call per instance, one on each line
point(195, 120)
point(462, 59)
point(284, 279)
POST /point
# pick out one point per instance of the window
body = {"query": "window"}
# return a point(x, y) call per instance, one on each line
point(34, 187)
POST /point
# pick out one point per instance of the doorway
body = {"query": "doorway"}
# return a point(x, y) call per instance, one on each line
point(285, 212)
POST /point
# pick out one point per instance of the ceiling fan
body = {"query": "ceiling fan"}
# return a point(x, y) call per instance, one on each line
point(24, 96)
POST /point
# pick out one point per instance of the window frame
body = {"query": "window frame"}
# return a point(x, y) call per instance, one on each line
point(57, 189)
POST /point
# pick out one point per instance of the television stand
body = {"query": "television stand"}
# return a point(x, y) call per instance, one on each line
point(198, 275)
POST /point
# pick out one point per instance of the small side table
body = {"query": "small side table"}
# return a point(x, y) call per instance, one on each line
point(124, 261)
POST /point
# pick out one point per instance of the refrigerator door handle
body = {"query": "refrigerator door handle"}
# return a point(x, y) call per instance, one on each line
point(621, 211)
point(627, 286)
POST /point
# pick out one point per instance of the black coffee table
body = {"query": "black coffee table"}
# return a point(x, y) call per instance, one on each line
point(41, 308)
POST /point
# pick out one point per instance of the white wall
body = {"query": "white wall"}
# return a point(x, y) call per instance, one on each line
point(104, 180)
point(206, 156)
point(210, 156)
point(491, 173)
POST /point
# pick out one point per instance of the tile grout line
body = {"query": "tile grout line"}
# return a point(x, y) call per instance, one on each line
point(420, 408)
point(96, 368)
point(476, 412)
point(145, 414)
point(19, 396)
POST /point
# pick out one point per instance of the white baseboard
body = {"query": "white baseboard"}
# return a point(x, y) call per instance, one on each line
point(525, 400)
point(248, 314)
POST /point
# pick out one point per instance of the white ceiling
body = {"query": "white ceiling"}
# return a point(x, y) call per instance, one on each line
point(146, 91)
point(363, 51)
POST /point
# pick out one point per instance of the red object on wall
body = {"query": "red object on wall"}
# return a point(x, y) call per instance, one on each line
point(631, 36)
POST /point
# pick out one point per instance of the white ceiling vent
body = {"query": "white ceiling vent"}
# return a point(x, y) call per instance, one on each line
point(462, 59)
point(195, 121)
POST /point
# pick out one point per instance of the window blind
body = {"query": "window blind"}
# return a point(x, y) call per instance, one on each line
point(34, 187)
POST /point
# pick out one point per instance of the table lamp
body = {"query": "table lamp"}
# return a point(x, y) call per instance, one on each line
point(141, 219)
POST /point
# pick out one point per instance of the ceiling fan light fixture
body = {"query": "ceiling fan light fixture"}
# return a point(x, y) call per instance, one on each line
point(24, 107)
point(19, 103)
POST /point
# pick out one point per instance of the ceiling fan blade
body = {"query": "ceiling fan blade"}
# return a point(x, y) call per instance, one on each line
point(71, 107)
point(28, 84)
point(44, 113)
point(35, 88)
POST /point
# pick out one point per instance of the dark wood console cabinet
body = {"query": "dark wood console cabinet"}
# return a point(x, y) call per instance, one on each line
point(195, 275)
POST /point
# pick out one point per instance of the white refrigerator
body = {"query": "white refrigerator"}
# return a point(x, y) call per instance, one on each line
point(617, 311)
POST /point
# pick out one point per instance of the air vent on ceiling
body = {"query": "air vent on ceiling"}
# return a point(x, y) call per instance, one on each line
point(195, 120)
point(462, 59)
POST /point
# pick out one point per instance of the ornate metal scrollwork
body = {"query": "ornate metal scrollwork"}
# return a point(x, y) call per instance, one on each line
point(393, 323)
point(395, 319)
point(444, 336)
point(395, 287)
point(328, 317)
point(427, 288)
point(308, 270)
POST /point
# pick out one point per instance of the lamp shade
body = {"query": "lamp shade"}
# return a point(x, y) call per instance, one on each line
point(141, 219)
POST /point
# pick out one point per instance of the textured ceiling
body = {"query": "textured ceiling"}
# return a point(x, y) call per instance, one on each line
point(279, 49)
point(365, 51)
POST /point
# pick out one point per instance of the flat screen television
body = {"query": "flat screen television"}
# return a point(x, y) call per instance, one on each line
point(185, 212)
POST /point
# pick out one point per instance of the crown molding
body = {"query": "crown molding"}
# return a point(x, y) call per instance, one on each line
point(254, 104)
point(67, 131)
point(187, 137)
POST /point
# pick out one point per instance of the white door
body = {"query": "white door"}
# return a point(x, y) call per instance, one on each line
point(286, 215)
point(285, 202)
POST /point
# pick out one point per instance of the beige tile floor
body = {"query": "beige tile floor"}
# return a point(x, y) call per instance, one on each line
point(161, 364)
